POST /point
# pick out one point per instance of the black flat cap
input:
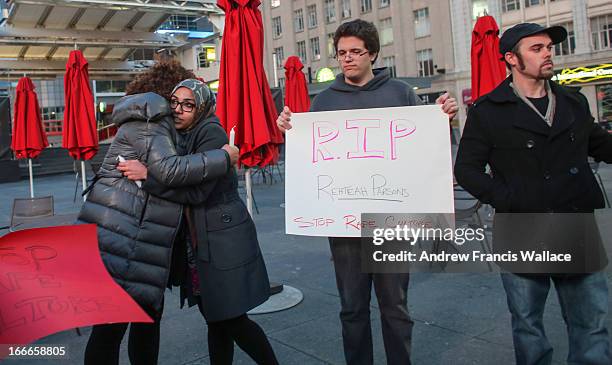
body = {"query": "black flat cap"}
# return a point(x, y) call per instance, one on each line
point(513, 35)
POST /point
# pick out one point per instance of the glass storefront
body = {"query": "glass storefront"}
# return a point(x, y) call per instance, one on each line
point(604, 104)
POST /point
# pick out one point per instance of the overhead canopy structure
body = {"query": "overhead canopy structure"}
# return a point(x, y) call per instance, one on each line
point(38, 35)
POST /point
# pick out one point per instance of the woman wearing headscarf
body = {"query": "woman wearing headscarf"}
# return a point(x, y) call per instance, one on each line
point(136, 230)
point(220, 266)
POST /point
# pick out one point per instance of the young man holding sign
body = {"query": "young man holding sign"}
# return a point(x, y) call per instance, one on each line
point(360, 87)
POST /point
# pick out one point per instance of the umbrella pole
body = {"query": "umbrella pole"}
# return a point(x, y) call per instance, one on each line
point(249, 192)
point(83, 177)
point(31, 178)
point(274, 61)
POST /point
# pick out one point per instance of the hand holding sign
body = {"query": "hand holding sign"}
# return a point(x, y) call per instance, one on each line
point(284, 120)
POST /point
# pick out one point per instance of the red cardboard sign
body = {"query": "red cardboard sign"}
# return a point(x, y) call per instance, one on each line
point(53, 279)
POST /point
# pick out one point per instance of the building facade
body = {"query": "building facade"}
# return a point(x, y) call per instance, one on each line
point(584, 59)
point(410, 47)
point(432, 39)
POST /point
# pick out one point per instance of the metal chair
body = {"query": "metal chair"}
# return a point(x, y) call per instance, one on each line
point(595, 168)
point(466, 210)
point(28, 209)
point(268, 172)
point(471, 214)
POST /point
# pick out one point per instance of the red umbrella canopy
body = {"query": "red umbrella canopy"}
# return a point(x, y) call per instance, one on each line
point(296, 91)
point(29, 138)
point(488, 70)
point(244, 98)
point(80, 135)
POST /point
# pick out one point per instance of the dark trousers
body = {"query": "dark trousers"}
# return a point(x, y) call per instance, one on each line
point(143, 343)
point(355, 290)
point(245, 333)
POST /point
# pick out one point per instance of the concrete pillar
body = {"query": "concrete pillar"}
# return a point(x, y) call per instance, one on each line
point(494, 9)
point(582, 32)
point(461, 22)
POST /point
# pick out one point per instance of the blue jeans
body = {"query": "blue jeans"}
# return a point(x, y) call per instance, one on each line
point(584, 305)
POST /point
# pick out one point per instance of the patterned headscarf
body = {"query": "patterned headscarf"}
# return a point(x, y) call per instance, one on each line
point(204, 98)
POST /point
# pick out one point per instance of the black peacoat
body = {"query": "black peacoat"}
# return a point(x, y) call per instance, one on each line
point(535, 168)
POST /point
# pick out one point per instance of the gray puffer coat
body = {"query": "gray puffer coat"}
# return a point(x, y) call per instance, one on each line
point(136, 230)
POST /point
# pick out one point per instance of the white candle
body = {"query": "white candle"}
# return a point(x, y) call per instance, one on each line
point(232, 136)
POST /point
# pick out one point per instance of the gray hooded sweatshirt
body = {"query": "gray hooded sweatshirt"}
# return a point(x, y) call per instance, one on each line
point(380, 92)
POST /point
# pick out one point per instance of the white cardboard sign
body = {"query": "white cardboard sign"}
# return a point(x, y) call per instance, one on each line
point(340, 164)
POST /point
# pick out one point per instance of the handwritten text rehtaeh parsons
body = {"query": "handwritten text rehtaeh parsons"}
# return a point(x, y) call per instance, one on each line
point(378, 189)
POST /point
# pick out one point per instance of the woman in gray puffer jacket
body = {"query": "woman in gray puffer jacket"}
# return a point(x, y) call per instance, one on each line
point(136, 230)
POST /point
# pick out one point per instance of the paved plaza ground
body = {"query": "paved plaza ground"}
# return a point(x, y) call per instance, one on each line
point(459, 318)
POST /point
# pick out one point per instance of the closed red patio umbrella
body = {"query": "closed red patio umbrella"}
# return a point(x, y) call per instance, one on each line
point(80, 134)
point(29, 137)
point(244, 99)
point(296, 90)
point(488, 70)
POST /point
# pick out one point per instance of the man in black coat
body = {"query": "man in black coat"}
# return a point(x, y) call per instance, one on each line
point(536, 137)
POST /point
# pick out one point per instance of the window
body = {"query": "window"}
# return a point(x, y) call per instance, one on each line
point(331, 51)
point(568, 46)
point(510, 5)
point(207, 55)
point(386, 32)
point(301, 51)
point(203, 61)
point(312, 16)
point(366, 6)
point(604, 103)
point(51, 93)
point(330, 11)
point(142, 55)
point(53, 113)
point(277, 29)
point(346, 9)
point(421, 23)
point(275, 3)
point(479, 8)
point(601, 32)
point(298, 20)
point(315, 49)
point(180, 22)
point(529, 3)
point(280, 56)
point(425, 62)
point(112, 86)
point(384, 3)
point(390, 63)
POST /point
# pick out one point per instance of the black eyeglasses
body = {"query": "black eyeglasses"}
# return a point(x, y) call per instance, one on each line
point(185, 105)
point(353, 53)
